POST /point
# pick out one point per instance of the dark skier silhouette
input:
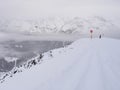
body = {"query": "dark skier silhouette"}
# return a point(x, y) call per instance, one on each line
point(100, 36)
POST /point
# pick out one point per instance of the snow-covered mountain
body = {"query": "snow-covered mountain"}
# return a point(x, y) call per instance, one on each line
point(24, 66)
point(87, 64)
point(75, 25)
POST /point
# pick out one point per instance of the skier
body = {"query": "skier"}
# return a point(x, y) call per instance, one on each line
point(100, 36)
point(91, 31)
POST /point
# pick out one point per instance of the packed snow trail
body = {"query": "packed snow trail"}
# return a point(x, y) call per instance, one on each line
point(87, 64)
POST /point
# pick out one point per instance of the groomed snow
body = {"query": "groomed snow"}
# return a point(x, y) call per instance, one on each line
point(87, 64)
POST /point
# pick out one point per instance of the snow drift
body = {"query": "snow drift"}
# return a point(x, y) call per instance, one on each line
point(87, 64)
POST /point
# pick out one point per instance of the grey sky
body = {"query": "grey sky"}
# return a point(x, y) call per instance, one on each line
point(39, 8)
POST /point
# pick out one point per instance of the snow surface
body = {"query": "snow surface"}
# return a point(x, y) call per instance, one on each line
point(87, 64)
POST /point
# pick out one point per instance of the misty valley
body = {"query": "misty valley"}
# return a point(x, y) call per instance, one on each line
point(21, 51)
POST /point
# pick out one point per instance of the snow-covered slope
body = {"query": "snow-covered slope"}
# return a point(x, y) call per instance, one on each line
point(87, 64)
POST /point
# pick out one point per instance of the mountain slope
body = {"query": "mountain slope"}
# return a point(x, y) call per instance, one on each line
point(87, 64)
point(75, 25)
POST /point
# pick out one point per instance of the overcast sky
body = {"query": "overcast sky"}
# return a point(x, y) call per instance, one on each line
point(39, 8)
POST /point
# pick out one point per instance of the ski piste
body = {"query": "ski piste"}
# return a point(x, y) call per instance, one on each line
point(86, 64)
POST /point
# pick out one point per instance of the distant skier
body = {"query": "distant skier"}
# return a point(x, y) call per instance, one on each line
point(91, 31)
point(100, 36)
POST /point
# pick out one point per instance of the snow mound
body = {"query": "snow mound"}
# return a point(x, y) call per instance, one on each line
point(87, 64)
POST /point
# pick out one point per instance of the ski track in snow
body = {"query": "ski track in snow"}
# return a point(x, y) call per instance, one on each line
point(85, 65)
